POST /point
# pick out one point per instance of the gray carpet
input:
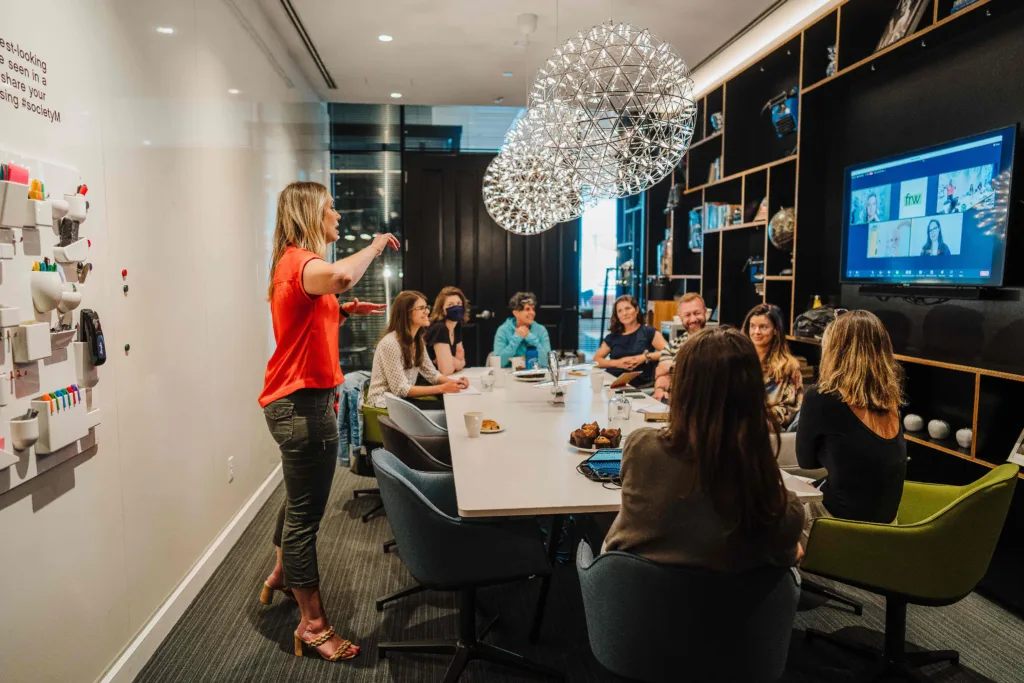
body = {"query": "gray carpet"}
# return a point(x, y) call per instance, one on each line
point(226, 635)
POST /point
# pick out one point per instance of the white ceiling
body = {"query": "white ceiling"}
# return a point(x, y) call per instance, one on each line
point(453, 52)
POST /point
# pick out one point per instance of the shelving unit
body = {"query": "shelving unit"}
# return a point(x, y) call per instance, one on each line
point(804, 171)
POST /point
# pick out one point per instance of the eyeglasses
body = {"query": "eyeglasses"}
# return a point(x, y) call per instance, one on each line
point(842, 311)
point(420, 308)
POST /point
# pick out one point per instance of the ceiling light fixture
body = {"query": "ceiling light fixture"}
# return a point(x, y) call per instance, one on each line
point(499, 100)
point(166, 30)
point(366, 237)
point(396, 95)
point(350, 238)
point(507, 74)
point(146, 143)
point(233, 91)
point(384, 38)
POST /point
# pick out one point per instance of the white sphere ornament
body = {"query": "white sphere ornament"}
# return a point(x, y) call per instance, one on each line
point(964, 437)
point(522, 197)
point(913, 423)
point(938, 429)
point(617, 107)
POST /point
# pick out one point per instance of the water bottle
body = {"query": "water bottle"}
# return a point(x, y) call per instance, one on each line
point(532, 358)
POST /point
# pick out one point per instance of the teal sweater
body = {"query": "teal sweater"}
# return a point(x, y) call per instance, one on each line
point(508, 344)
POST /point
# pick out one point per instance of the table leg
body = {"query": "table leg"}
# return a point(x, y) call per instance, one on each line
point(554, 539)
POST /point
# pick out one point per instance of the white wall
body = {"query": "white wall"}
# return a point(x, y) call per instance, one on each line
point(183, 178)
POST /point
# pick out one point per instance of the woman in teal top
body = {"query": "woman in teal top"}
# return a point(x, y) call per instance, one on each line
point(520, 334)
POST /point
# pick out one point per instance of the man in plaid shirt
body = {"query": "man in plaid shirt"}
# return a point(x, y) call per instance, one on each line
point(694, 315)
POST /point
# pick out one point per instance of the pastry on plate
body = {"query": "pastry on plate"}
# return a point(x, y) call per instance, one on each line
point(490, 426)
point(613, 435)
point(582, 439)
point(602, 442)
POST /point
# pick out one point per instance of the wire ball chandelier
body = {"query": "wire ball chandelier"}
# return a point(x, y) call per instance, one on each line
point(610, 114)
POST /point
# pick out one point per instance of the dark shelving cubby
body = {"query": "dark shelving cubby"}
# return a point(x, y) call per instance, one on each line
point(701, 158)
point(861, 25)
point(739, 294)
point(778, 292)
point(937, 393)
point(817, 39)
point(709, 274)
point(698, 122)
point(1000, 418)
point(713, 104)
point(750, 139)
point(755, 189)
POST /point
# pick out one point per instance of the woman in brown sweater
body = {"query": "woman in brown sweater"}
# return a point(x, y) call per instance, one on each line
point(706, 490)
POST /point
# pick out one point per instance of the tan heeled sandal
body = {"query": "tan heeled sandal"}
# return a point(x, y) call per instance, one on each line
point(267, 593)
point(343, 652)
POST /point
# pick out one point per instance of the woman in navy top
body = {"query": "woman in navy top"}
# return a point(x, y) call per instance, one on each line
point(630, 346)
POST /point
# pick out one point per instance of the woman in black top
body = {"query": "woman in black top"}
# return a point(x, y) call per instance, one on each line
point(444, 336)
point(850, 422)
point(630, 346)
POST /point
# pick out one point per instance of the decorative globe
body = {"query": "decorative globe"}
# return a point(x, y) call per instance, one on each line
point(615, 108)
point(781, 228)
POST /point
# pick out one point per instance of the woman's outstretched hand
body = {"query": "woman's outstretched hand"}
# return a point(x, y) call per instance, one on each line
point(383, 240)
point(357, 307)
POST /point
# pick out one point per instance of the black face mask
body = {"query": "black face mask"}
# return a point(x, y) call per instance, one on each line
point(455, 313)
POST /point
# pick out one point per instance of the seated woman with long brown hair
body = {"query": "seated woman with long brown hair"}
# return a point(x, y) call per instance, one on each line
point(706, 491)
point(783, 383)
point(401, 355)
point(850, 422)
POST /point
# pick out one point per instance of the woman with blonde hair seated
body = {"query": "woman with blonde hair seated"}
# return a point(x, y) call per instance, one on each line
point(850, 422)
point(783, 383)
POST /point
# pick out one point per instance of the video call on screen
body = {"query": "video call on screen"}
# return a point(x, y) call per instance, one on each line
point(917, 217)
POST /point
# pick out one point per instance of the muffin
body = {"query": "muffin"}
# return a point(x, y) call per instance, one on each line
point(602, 442)
point(583, 439)
point(613, 435)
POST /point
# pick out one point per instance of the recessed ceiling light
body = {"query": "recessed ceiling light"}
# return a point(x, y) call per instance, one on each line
point(233, 91)
point(396, 95)
point(499, 100)
point(147, 143)
point(166, 30)
point(350, 238)
point(507, 74)
point(366, 237)
point(384, 38)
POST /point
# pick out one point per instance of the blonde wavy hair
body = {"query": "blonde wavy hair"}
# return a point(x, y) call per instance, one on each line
point(300, 222)
point(857, 363)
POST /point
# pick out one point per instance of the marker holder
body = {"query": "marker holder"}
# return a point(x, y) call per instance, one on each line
point(10, 316)
point(14, 203)
point(60, 340)
point(24, 433)
point(72, 253)
point(30, 342)
point(40, 214)
point(85, 372)
point(61, 427)
point(47, 290)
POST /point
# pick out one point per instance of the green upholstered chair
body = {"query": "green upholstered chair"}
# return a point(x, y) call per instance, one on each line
point(934, 554)
point(372, 439)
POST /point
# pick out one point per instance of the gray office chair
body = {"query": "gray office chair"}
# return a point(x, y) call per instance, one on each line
point(654, 622)
point(787, 458)
point(445, 552)
point(414, 421)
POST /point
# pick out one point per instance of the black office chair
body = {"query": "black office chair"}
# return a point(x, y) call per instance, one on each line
point(445, 552)
point(408, 449)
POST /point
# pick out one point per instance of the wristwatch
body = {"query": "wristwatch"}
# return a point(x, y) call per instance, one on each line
point(341, 309)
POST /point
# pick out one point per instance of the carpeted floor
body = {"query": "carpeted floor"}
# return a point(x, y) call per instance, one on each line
point(226, 635)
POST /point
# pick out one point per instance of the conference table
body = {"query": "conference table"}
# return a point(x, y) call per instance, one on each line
point(529, 468)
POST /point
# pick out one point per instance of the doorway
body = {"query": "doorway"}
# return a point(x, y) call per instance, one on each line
point(598, 273)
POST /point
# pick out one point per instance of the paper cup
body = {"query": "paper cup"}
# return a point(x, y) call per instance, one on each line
point(597, 381)
point(473, 422)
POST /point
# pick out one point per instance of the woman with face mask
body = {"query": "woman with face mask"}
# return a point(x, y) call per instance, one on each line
point(444, 336)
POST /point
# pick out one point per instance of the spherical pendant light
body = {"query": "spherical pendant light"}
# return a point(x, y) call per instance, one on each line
point(615, 109)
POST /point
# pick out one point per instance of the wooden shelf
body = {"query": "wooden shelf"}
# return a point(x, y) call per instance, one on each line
point(684, 277)
point(736, 176)
point(927, 441)
point(895, 46)
point(778, 278)
point(708, 138)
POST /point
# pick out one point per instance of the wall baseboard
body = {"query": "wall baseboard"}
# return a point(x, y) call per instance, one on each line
point(145, 643)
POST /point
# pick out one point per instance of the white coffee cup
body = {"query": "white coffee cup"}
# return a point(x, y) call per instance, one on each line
point(597, 381)
point(473, 422)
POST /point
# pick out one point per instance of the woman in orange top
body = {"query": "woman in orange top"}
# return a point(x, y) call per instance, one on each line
point(299, 392)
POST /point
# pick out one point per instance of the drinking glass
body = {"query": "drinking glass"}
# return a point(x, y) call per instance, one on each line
point(619, 408)
point(487, 381)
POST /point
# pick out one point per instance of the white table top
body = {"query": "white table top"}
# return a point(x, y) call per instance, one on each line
point(530, 468)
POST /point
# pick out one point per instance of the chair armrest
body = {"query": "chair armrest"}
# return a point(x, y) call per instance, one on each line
point(439, 489)
point(921, 501)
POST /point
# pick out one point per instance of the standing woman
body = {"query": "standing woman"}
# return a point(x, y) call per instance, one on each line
point(444, 336)
point(300, 385)
point(401, 356)
point(630, 346)
point(783, 383)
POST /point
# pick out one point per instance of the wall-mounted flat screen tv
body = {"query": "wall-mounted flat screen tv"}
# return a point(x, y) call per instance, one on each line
point(935, 216)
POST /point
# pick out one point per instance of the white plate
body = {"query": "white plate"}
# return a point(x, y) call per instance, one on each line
point(531, 379)
point(492, 431)
point(589, 451)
